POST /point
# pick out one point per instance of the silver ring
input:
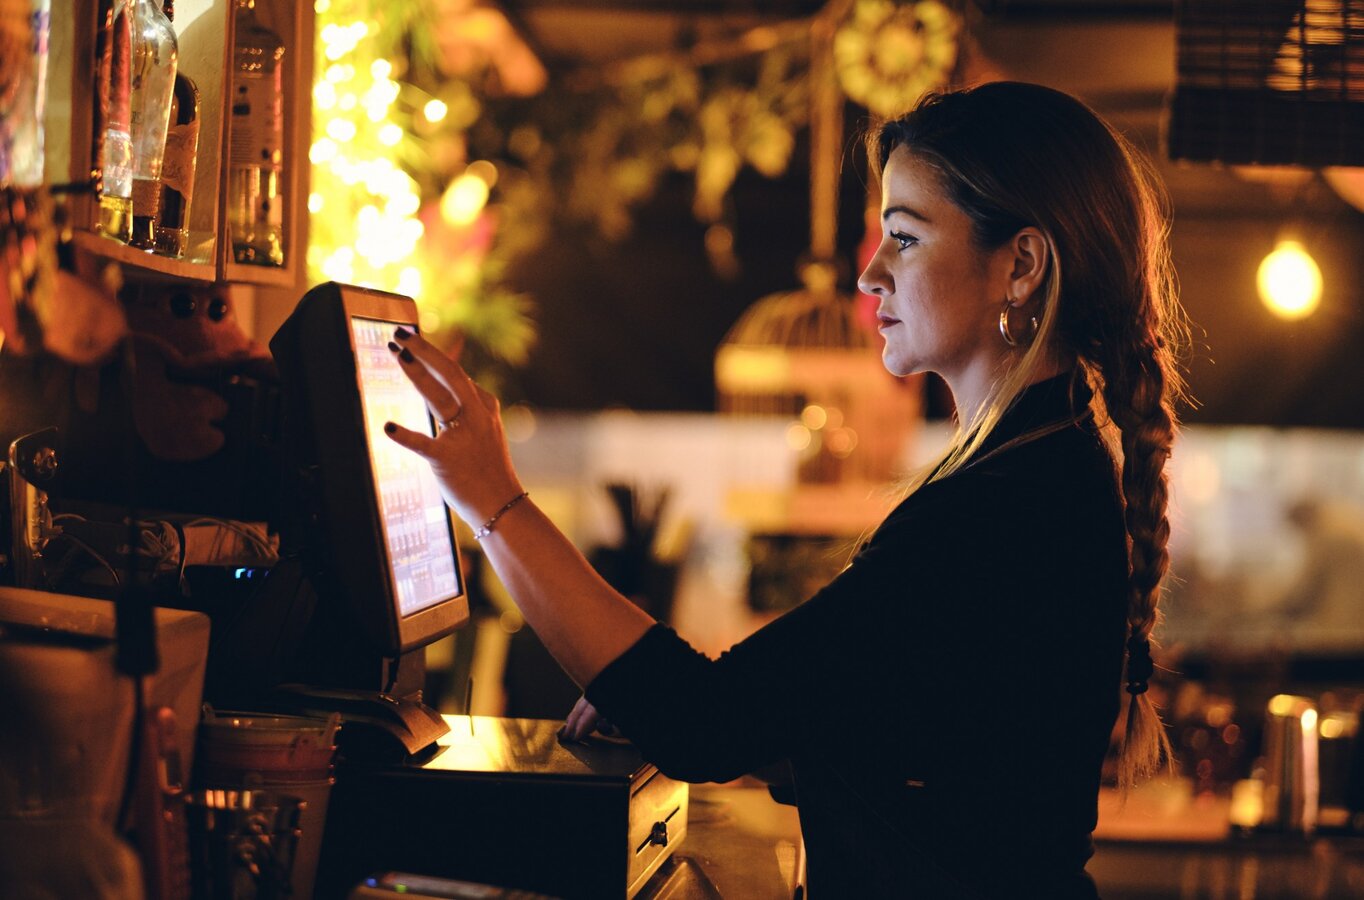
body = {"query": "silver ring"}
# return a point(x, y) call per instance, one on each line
point(453, 421)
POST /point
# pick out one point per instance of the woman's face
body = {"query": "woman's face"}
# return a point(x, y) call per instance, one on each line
point(940, 294)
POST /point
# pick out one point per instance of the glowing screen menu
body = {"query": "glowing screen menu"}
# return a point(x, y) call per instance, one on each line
point(421, 551)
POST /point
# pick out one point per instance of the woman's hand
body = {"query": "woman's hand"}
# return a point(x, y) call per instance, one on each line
point(583, 622)
point(583, 720)
point(469, 453)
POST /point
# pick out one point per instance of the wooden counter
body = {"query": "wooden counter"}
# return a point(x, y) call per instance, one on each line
point(1165, 843)
point(1161, 843)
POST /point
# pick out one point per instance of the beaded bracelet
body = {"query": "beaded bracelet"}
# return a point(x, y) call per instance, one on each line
point(487, 528)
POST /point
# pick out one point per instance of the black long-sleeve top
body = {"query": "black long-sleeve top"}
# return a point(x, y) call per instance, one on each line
point(946, 702)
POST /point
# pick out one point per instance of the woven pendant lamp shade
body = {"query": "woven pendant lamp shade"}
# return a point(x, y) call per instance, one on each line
point(1272, 82)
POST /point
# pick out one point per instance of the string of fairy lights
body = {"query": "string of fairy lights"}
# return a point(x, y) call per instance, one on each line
point(365, 227)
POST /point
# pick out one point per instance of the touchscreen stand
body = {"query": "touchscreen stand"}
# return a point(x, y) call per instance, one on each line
point(376, 725)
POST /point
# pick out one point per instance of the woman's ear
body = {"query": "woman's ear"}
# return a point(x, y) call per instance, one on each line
point(1031, 260)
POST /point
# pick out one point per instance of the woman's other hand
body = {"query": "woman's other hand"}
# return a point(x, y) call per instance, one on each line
point(583, 720)
point(469, 453)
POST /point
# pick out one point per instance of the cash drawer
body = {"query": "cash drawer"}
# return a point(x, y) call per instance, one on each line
point(507, 805)
point(658, 823)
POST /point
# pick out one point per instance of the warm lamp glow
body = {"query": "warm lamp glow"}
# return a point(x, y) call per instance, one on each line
point(1289, 281)
point(464, 199)
point(752, 370)
point(1247, 803)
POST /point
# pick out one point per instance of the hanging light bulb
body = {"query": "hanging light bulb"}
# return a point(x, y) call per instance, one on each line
point(1289, 281)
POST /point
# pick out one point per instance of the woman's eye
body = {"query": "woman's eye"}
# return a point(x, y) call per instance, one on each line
point(904, 240)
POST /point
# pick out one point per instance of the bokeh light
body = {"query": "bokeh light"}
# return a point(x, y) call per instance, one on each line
point(464, 199)
point(364, 228)
point(435, 110)
point(1289, 281)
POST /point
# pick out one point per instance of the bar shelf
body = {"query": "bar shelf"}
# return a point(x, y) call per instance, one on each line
point(204, 31)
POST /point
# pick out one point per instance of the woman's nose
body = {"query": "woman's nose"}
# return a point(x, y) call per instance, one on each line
point(873, 279)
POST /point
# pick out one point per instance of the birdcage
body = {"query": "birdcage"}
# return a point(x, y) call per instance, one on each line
point(803, 356)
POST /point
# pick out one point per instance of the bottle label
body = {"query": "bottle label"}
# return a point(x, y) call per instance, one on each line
point(177, 167)
point(257, 121)
point(118, 163)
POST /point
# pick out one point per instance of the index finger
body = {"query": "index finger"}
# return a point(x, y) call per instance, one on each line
point(442, 367)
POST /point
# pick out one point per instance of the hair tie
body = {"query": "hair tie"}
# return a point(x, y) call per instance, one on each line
point(1140, 666)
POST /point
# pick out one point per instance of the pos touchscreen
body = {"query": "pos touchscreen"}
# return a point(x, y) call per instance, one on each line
point(385, 540)
point(421, 547)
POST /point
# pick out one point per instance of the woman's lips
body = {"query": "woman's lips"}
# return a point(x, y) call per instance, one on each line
point(884, 322)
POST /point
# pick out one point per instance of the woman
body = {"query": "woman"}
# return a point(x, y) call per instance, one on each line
point(946, 703)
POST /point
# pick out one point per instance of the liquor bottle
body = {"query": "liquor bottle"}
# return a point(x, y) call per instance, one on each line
point(256, 150)
point(115, 96)
point(155, 57)
point(178, 162)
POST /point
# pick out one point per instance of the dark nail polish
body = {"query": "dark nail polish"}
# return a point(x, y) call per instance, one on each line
point(394, 347)
point(401, 333)
point(406, 355)
point(389, 428)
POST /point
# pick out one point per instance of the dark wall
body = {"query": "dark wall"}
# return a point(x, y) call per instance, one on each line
point(637, 323)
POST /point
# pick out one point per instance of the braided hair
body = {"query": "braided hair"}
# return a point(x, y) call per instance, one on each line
point(1015, 155)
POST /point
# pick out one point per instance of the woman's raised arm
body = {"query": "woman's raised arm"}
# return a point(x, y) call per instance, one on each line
point(583, 622)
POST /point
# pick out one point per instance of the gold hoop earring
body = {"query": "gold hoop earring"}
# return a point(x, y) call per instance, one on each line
point(1004, 330)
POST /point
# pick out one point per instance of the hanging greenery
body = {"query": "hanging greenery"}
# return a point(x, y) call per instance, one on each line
point(888, 54)
point(387, 210)
point(417, 169)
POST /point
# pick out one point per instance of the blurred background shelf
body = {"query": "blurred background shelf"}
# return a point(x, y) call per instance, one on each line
point(143, 263)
